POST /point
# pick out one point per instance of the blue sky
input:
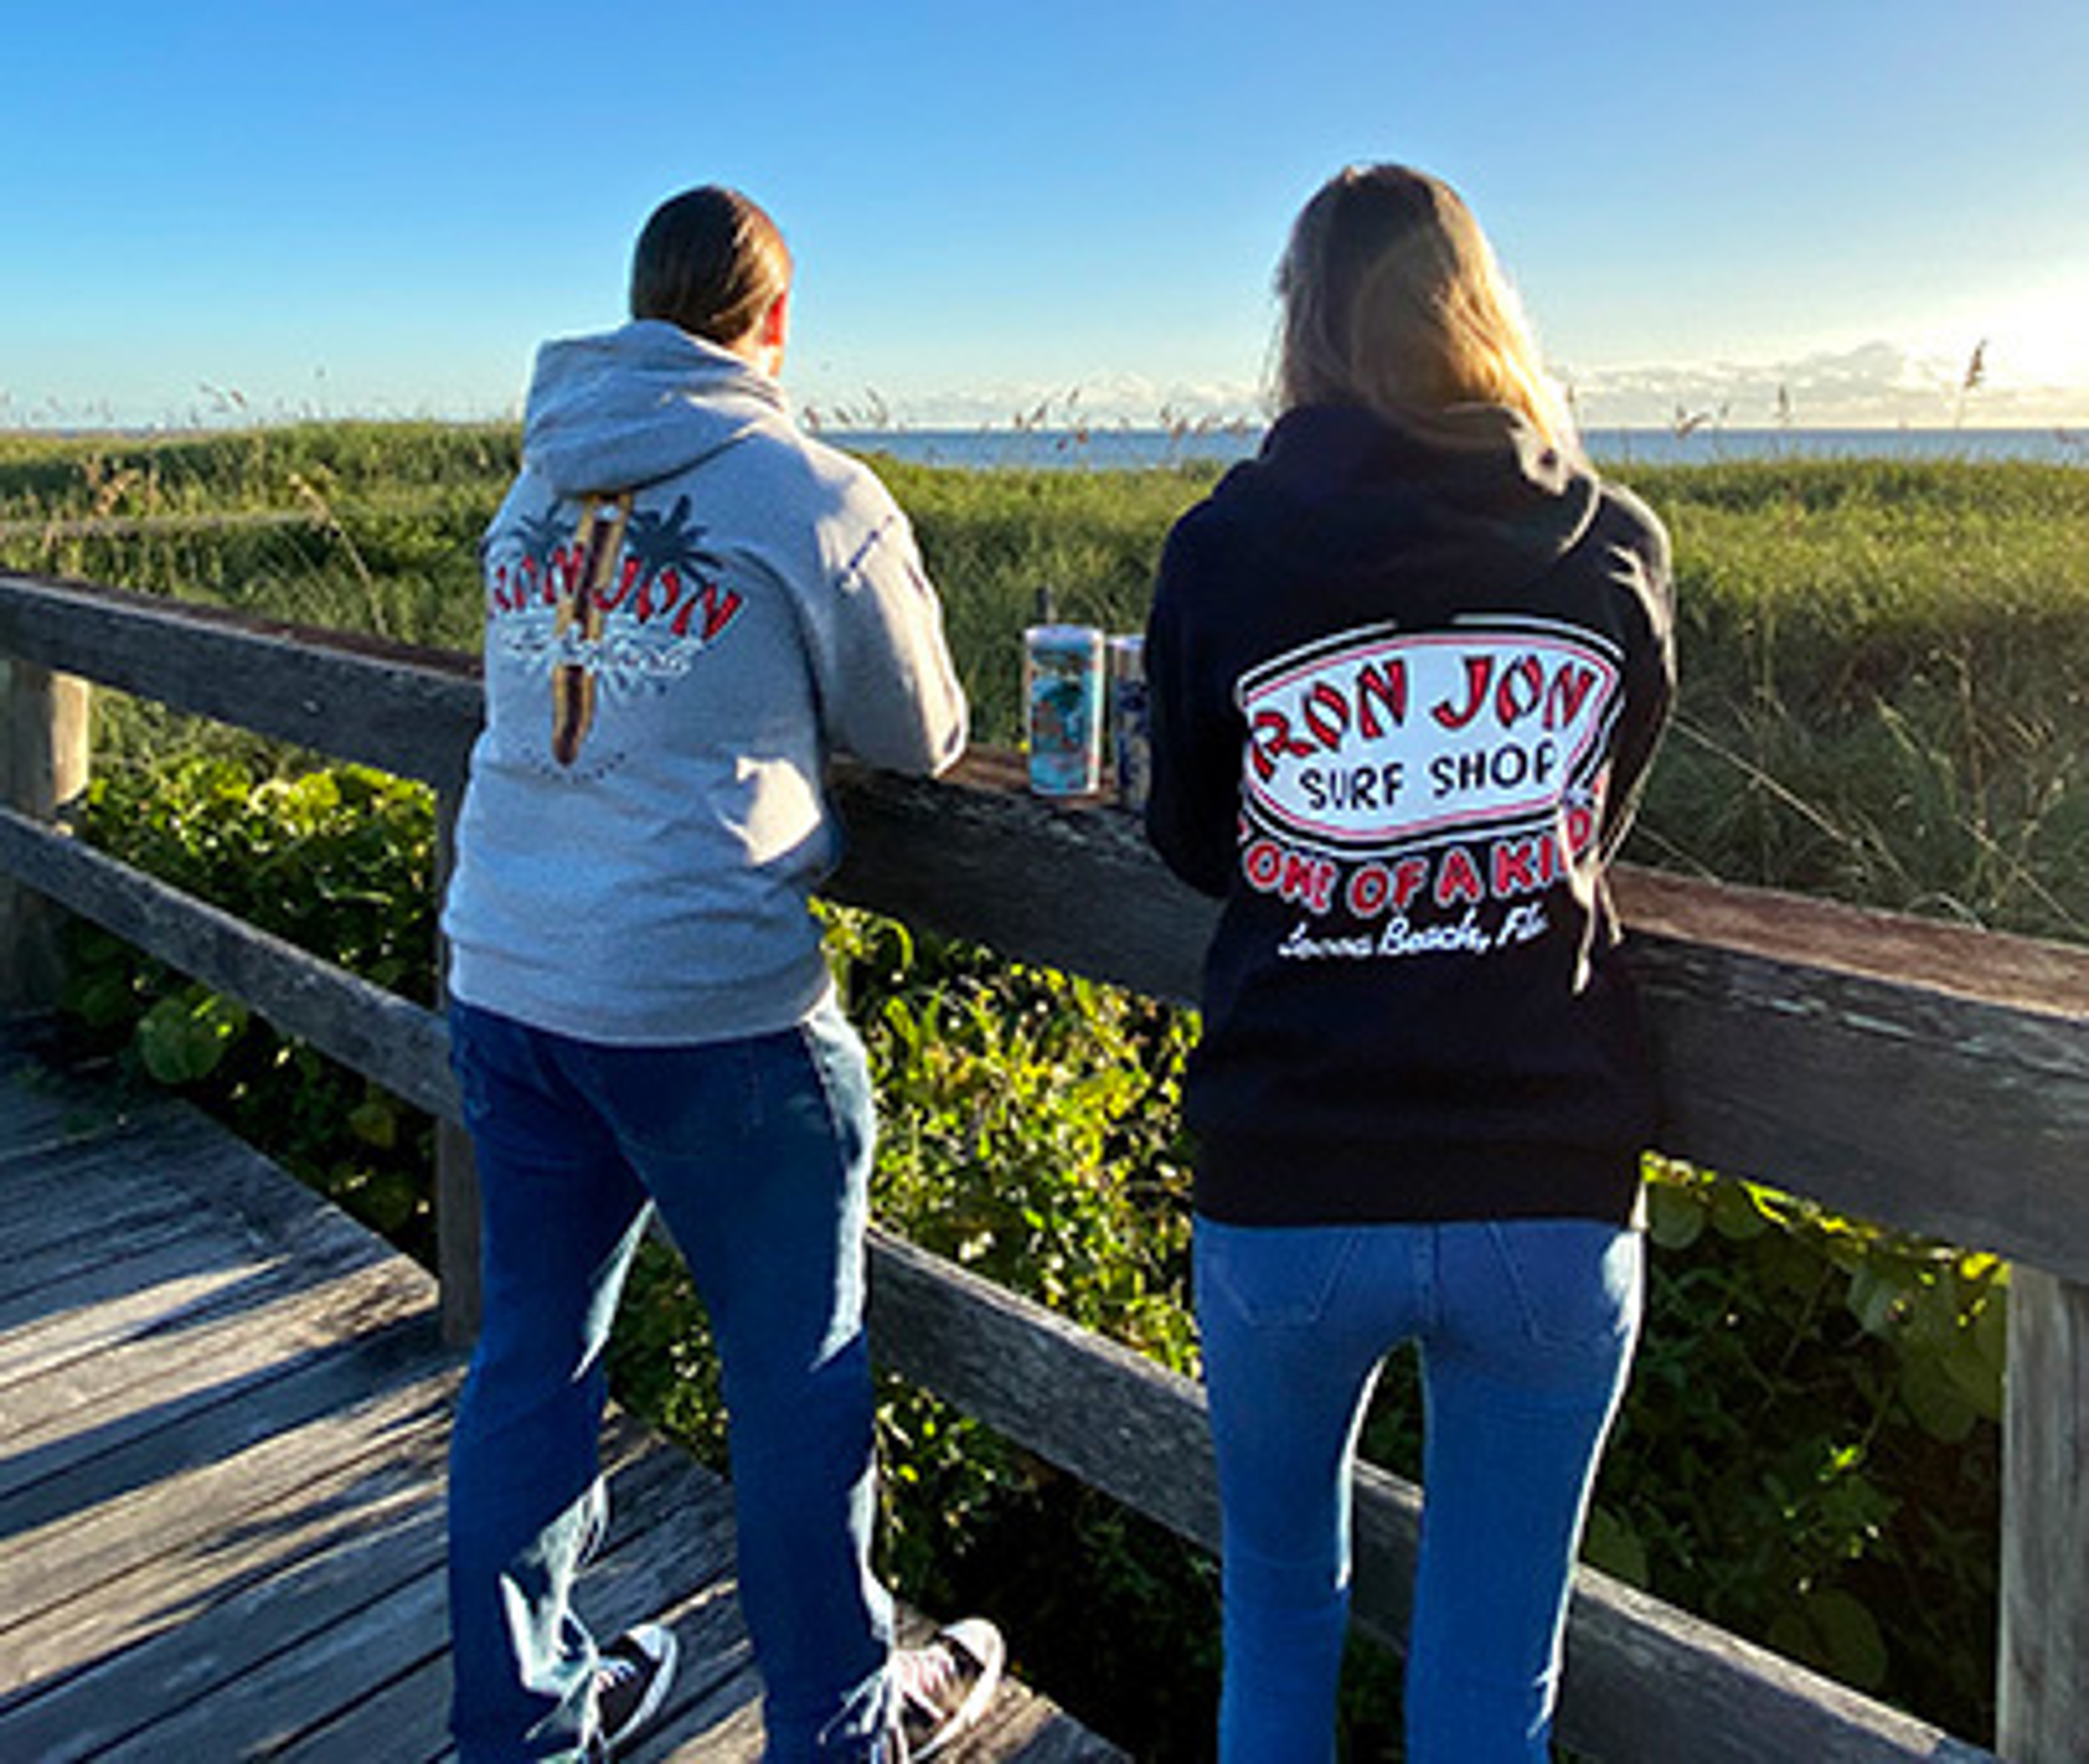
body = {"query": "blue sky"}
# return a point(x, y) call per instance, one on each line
point(215, 210)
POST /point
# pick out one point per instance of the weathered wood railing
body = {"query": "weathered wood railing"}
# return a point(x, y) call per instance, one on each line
point(1932, 1078)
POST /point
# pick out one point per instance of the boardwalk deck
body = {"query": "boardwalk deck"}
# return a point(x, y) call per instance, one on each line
point(223, 1407)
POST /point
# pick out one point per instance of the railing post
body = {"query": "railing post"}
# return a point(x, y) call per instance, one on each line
point(2042, 1693)
point(456, 1174)
point(43, 767)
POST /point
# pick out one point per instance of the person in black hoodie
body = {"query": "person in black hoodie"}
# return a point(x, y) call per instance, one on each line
point(1408, 669)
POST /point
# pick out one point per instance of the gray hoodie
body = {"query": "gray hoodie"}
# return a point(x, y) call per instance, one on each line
point(688, 602)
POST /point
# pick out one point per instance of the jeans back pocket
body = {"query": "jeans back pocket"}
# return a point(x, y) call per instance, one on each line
point(1573, 1283)
point(1282, 1277)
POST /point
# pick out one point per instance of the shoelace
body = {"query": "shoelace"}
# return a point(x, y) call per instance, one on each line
point(923, 1675)
point(615, 1673)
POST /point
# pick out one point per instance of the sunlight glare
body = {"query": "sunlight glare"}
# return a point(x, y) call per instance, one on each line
point(2035, 338)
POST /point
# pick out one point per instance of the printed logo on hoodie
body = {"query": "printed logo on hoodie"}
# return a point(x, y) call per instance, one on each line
point(1430, 784)
point(614, 598)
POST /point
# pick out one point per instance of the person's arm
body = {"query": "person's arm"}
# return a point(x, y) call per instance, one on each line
point(888, 687)
point(1649, 678)
point(1193, 808)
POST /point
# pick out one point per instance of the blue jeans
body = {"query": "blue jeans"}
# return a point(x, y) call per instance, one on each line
point(756, 1153)
point(1526, 1329)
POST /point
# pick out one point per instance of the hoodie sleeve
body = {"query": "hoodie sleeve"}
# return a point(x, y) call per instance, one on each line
point(1643, 563)
point(888, 687)
point(1193, 808)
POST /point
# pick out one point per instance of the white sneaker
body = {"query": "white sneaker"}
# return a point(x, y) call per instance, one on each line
point(631, 1682)
point(940, 1691)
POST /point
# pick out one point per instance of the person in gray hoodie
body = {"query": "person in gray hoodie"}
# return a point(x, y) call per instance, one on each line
point(689, 603)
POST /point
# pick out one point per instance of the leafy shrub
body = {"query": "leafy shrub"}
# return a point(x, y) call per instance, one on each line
point(1809, 1453)
point(340, 862)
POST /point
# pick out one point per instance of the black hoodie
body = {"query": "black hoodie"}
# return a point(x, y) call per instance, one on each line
point(1406, 681)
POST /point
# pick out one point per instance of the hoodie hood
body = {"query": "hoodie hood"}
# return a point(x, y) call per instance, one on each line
point(631, 406)
point(1475, 491)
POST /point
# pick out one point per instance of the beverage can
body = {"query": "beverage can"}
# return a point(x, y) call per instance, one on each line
point(1131, 729)
point(1062, 708)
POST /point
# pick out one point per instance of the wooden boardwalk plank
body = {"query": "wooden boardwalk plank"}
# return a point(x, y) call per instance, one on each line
point(171, 1284)
point(86, 1418)
point(64, 1192)
point(268, 1423)
point(317, 1562)
point(81, 1586)
point(43, 1278)
point(268, 1707)
point(353, 1543)
point(74, 1403)
point(39, 1103)
point(224, 1411)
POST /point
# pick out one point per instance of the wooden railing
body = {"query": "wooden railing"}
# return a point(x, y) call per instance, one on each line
point(1931, 1078)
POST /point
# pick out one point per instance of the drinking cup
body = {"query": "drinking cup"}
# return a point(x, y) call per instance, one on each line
point(1062, 699)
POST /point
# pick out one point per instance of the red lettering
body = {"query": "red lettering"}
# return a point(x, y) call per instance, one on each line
point(1479, 675)
point(1311, 880)
point(717, 609)
point(1270, 735)
point(610, 596)
point(1570, 686)
point(1456, 879)
point(1512, 705)
point(1516, 863)
point(1377, 686)
point(1409, 875)
point(1369, 891)
point(1271, 868)
point(1327, 715)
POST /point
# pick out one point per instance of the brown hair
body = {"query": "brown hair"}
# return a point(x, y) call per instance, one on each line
point(1392, 300)
point(711, 261)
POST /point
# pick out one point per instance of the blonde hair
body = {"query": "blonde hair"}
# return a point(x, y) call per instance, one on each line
point(711, 261)
point(1392, 300)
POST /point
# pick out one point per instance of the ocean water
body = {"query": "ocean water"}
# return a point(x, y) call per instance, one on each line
point(1116, 449)
point(1664, 446)
point(1029, 449)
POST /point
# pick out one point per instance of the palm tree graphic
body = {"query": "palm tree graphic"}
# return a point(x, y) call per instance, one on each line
point(643, 556)
point(540, 537)
point(665, 550)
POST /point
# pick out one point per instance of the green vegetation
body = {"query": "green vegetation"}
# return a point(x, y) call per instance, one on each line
point(1883, 663)
point(1884, 668)
point(340, 861)
point(1885, 687)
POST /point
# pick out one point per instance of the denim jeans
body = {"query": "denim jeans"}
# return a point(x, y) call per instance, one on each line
point(756, 1153)
point(1526, 1329)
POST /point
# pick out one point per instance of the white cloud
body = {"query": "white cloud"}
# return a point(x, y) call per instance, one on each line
point(1876, 383)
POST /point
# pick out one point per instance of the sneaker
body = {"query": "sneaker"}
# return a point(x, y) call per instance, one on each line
point(940, 1691)
point(631, 1682)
